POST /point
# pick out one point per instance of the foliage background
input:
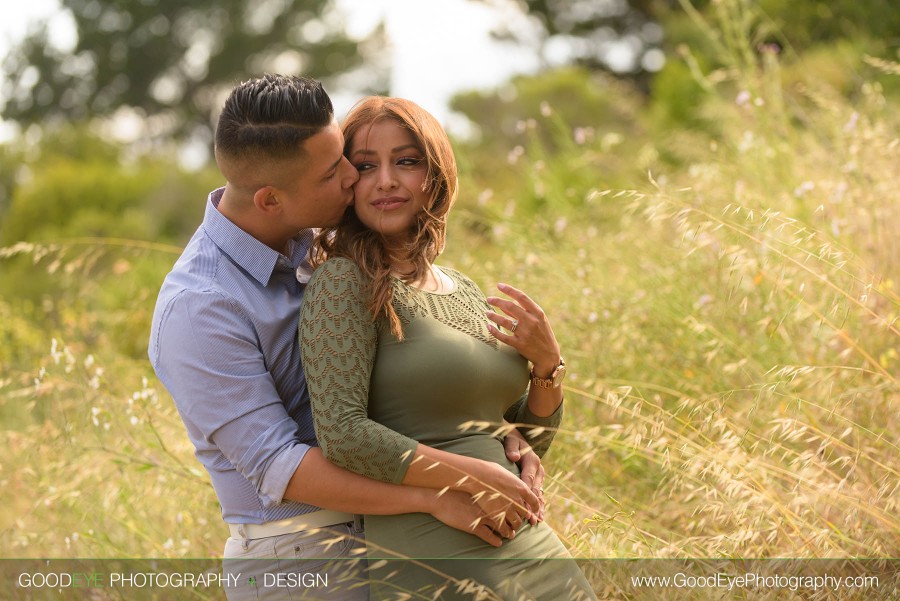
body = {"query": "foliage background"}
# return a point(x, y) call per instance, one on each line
point(715, 244)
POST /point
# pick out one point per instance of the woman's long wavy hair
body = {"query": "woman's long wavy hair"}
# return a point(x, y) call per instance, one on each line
point(367, 248)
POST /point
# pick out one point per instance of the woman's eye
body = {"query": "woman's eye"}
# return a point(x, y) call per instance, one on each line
point(364, 167)
point(409, 161)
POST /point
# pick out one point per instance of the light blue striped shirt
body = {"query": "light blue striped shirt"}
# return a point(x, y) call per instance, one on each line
point(224, 343)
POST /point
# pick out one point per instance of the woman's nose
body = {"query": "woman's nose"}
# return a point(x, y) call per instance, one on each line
point(386, 179)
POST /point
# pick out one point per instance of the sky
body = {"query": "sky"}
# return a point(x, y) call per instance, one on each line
point(452, 53)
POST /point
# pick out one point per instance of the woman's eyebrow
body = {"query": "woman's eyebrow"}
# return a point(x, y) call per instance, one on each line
point(393, 150)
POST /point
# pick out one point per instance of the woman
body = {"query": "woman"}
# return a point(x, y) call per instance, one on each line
point(407, 365)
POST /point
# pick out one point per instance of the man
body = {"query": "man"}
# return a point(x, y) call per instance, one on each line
point(224, 343)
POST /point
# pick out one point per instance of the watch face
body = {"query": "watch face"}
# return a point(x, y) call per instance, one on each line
point(558, 375)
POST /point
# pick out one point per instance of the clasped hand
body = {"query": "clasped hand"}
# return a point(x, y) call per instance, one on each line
point(506, 501)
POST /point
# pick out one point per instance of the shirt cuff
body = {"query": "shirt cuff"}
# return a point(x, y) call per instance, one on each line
point(279, 473)
point(551, 421)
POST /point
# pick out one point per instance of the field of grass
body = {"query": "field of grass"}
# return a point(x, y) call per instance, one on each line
point(731, 326)
point(733, 331)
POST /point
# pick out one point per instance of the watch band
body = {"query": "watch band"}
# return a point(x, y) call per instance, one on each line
point(555, 378)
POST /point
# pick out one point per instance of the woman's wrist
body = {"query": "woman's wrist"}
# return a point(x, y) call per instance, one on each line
point(545, 406)
point(545, 367)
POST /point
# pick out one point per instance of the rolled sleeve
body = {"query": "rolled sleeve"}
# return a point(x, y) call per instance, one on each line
point(282, 468)
point(212, 364)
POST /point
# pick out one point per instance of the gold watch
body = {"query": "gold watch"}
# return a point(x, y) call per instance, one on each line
point(555, 378)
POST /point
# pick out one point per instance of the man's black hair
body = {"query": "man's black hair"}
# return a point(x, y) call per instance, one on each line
point(271, 116)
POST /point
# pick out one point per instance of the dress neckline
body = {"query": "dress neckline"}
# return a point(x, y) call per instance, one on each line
point(447, 292)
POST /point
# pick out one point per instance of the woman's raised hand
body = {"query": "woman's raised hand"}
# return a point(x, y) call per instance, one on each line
point(527, 328)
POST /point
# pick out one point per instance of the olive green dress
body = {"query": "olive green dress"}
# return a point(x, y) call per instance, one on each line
point(448, 385)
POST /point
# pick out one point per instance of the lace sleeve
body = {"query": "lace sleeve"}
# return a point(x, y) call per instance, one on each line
point(338, 340)
point(520, 414)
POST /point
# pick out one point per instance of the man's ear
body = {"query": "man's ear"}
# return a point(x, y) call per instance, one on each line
point(266, 200)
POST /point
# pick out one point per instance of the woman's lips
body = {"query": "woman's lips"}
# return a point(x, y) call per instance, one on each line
point(388, 203)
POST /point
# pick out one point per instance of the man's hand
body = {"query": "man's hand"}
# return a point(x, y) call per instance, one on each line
point(458, 510)
point(531, 469)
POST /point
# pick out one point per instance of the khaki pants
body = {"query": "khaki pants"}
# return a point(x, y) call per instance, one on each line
point(327, 564)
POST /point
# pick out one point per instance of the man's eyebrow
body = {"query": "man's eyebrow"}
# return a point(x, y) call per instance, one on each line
point(393, 150)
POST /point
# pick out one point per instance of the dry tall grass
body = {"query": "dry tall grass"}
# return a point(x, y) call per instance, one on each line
point(731, 328)
point(733, 335)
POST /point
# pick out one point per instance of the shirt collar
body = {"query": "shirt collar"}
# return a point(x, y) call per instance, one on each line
point(256, 258)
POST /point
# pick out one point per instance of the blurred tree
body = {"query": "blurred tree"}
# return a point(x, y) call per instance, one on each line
point(549, 140)
point(82, 185)
point(634, 38)
point(807, 24)
point(578, 98)
point(10, 161)
point(623, 37)
point(171, 59)
point(818, 41)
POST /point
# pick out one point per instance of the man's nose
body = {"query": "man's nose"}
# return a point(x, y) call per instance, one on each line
point(351, 175)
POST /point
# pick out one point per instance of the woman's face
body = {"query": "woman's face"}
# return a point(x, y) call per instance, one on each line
point(392, 170)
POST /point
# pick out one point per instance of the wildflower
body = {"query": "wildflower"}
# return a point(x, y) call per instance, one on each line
point(580, 135)
point(803, 188)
